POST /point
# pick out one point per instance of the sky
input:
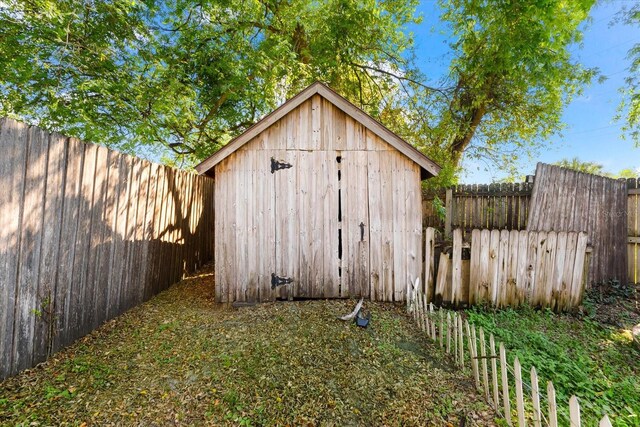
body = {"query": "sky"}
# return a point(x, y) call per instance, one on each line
point(591, 134)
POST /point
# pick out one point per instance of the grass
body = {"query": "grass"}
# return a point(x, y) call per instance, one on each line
point(583, 356)
point(181, 359)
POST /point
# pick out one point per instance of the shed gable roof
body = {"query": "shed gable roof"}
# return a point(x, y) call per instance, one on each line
point(428, 166)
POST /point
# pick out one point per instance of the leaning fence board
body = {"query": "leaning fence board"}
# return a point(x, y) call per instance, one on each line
point(80, 223)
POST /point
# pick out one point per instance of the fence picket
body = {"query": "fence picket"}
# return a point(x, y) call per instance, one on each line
point(519, 395)
point(605, 422)
point(574, 412)
point(461, 342)
point(498, 270)
point(485, 374)
point(505, 384)
point(535, 398)
point(474, 356)
point(498, 384)
point(433, 323)
point(553, 409)
point(494, 373)
point(441, 328)
point(448, 333)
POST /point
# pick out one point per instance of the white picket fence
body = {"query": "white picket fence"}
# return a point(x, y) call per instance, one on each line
point(493, 376)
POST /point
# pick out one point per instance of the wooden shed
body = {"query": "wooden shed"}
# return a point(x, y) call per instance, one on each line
point(317, 200)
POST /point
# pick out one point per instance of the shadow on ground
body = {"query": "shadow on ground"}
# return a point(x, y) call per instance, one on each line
point(182, 359)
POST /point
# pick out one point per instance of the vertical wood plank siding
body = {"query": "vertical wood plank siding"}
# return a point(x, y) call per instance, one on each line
point(565, 200)
point(500, 206)
point(85, 234)
point(344, 183)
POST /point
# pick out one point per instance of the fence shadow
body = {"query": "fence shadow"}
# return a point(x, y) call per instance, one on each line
point(85, 234)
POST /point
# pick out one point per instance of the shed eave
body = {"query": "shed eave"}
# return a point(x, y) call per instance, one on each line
point(429, 168)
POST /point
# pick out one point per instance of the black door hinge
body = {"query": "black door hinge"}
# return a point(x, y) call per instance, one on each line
point(279, 281)
point(277, 165)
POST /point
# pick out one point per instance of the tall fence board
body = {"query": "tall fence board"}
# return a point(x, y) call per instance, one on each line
point(633, 230)
point(566, 200)
point(85, 234)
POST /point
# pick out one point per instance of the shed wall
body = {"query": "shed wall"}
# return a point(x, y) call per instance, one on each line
point(337, 228)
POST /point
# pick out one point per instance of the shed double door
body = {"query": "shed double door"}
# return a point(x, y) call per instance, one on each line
point(321, 214)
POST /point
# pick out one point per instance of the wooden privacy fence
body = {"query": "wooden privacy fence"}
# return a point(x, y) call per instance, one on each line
point(85, 234)
point(633, 230)
point(518, 401)
point(499, 206)
point(566, 200)
point(508, 268)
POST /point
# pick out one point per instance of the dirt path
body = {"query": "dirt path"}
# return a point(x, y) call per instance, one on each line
point(180, 359)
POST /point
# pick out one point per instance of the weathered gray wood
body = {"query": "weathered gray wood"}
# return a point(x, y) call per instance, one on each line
point(28, 304)
point(504, 376)
point(52, 227)
point(12, 144)
point(456, 267)
point(70, 219)
point(588, 203)
point(475, 278)
point(429, 261)
point(375, 229)
point(441, 279)
point(79, 223)
point(493, 273)
point(93, 314)
point(351, 110)
point(519, 392)
point(399, 230)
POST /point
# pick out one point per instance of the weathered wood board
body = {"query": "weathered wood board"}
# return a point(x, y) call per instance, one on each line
point(85, 233)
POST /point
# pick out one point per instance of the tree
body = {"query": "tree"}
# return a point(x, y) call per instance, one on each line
point(511, 75)
point(629, 109)
point(190, 75)
point(582, 166)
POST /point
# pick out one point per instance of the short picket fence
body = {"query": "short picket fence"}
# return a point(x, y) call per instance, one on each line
point(492, 374)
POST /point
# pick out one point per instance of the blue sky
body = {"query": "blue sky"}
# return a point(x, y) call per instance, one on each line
point(591, 133)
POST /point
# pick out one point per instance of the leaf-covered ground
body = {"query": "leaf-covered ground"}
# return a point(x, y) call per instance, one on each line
point(181, 359)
